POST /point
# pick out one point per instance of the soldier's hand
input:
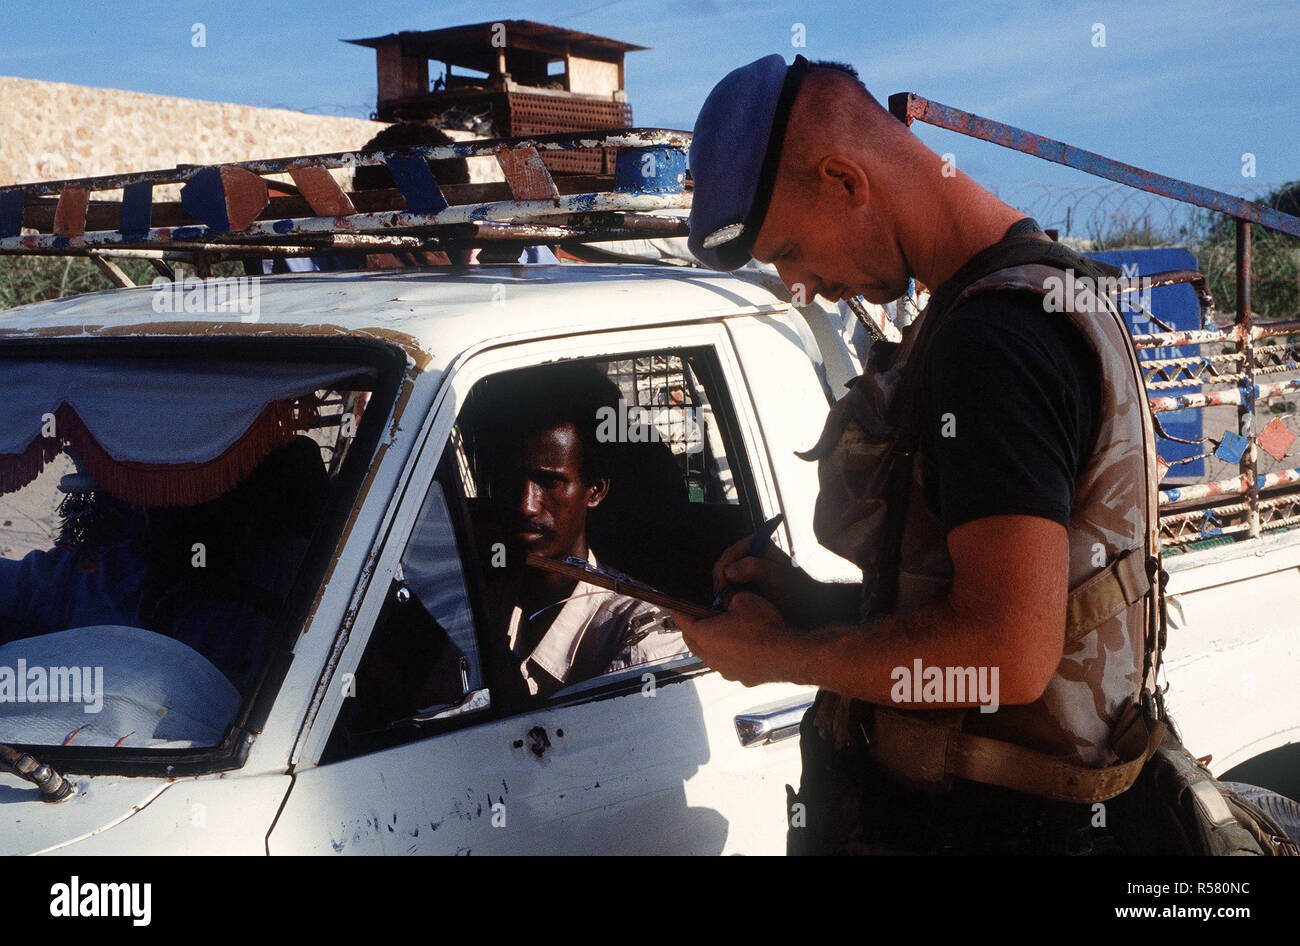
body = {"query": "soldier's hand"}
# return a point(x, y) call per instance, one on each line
point(771, 574)
point(749, 643)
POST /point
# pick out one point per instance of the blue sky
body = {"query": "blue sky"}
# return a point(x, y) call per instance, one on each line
point(1183, 88)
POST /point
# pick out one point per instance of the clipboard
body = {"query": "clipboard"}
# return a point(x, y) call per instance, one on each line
point(582, 570)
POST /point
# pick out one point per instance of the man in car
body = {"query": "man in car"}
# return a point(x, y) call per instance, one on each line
point(992, 475)
point(547, 468)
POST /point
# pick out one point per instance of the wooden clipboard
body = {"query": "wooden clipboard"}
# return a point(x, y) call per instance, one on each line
point(616, 583)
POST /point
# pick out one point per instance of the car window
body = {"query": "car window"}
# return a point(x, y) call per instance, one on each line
point(665, 390)
point(630, 465)
point(421, 666)
point(155, 514)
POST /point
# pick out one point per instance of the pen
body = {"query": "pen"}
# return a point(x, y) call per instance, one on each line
point(761, 537)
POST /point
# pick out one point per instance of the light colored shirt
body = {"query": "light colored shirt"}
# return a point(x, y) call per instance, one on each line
point(591, 635)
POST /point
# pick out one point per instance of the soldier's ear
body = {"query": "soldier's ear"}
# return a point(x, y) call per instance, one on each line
point(597, 492)
point(845, 178)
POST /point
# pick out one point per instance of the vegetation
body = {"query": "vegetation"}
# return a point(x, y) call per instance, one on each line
point(26, 279)
point(1275, 260)
point(1212, 237)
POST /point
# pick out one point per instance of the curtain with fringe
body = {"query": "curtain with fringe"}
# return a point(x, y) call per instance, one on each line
point(156, 433)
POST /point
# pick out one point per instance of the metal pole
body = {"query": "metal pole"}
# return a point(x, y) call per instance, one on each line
point(1246, 411)
point(909, 107)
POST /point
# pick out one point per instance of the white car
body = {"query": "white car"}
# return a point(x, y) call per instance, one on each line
point(267, 630)
point(275, 633)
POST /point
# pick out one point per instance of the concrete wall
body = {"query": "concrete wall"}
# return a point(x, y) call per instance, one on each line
point(52, 130)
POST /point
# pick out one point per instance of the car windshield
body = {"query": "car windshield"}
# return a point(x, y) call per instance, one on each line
point(154, 514)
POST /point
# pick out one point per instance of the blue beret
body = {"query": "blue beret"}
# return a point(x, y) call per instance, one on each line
point(735, 151)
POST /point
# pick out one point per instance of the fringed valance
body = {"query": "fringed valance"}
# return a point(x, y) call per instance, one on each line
point(155, 433)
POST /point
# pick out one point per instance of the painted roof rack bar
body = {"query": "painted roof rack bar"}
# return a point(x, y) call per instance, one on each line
point(484, 147)
point(229, 208)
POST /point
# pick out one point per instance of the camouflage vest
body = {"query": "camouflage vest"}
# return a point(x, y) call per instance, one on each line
point(1090, 702)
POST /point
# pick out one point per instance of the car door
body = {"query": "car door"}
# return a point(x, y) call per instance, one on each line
point(658, 757)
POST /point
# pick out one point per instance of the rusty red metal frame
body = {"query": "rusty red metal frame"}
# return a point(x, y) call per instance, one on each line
point(909, 107)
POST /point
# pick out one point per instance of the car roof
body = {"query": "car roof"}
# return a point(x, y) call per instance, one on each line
point(434, 312)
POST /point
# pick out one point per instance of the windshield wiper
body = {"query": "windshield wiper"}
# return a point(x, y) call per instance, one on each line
point(54, 787)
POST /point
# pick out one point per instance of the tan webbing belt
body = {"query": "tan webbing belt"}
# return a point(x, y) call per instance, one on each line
point(923, 752)
point(1121, 583)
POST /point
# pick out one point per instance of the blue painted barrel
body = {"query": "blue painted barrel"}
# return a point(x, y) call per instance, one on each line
point(658, 170)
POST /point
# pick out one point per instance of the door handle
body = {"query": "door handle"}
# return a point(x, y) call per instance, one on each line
point(772, 722)
point(471, 702)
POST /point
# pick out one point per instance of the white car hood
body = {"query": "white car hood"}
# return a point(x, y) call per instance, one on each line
point(31, 826)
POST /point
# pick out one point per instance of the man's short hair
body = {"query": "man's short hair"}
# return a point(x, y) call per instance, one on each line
point(505, 409)
point(843, 67)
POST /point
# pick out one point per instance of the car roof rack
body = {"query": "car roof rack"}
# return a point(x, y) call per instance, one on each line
point(228, 211)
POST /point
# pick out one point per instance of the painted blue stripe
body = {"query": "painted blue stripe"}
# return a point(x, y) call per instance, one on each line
point(415, 180)
point(137, 210)
point(11, 213)
point(204, 197)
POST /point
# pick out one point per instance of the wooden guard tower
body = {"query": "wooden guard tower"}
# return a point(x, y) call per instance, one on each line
point(531, 79)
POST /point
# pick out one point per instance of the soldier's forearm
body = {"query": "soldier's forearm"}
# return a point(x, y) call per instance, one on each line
point(866, 661)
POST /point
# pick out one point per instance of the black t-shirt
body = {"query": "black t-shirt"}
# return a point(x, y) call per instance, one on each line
point(1009, 400)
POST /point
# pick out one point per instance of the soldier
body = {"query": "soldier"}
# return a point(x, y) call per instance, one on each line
point(988, 691)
